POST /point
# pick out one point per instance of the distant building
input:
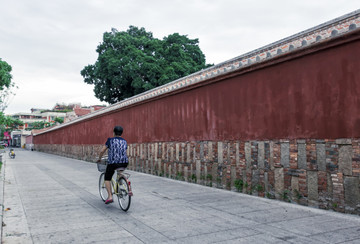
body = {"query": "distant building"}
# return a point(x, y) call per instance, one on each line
point(28, 119)
point(18, 138)
point(66, 112)
point(51, 116)
point(22, 137)
point(79, 111)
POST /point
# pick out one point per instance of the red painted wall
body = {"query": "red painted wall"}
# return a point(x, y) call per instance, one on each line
point(311, 96)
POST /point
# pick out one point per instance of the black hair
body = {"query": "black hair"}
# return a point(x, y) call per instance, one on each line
point(118, 130)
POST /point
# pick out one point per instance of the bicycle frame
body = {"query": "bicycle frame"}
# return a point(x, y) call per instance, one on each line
point(115, 182)
point(120, 186)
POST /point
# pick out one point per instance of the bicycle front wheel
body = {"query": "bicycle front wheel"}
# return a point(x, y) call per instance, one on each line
point(102, 188)
point(123, 194)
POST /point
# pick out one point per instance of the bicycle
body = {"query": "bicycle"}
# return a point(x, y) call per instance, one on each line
point(12, 153)
point(120, 185)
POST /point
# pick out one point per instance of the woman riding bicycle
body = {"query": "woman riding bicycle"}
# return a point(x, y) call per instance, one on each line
point(117, 158)
point(12, 153)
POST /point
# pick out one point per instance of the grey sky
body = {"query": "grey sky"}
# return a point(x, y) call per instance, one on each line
point(48, 43)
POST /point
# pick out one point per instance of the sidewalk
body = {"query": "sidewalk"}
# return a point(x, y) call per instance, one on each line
point(2, 160)
point(51, 199)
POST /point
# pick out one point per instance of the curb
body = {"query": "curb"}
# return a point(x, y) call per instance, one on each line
point(2, 175)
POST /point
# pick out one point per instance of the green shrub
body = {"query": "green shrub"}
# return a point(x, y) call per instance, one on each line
point(285, 196)
point(193, 178)
point(259, 188)
point(239, 184)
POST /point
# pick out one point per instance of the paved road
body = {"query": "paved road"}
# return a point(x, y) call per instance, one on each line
point(51, 199)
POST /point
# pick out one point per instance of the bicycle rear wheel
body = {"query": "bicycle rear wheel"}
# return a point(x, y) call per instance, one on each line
point(102, 188)
point(123, 194)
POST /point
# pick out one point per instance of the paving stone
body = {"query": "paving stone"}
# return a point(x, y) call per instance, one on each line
point(339, 236)
point(285, 154)
point(220, 152)
point(248, 154)
point(321, 156)
point(343, 141)
point(314, 225)
point(294, 185)
point(162, 210)
point(284, 235)
point(261, 155)
point(301, 155)
point(312, 185)
point(352, 191)
point(219, 236)
point(345, 159)
point(279, 180)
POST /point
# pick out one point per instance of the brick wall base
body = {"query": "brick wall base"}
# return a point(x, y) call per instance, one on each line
point(318, 173)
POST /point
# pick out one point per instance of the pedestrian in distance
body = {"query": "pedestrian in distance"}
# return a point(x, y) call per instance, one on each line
point(117, 158)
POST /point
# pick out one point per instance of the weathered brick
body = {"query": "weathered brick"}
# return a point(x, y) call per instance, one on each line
point(293, 154)
point(287, 179)
point(338, 191)
point(267, 157)
point(232, 153)
point(322, 181)
point(254, 155)
point(277, 155)
point(177, 152)
point(242, 157)
point(332, 154)
point(311, 155)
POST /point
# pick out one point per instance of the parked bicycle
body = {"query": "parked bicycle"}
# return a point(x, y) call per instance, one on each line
point(120, 185)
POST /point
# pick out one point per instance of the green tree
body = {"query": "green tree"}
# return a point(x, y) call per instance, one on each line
point(5, 84)
point(15, 124)
point(7, 123)
point(38, 125)
point(5, 76)
point(59, 120)
point(133, 61)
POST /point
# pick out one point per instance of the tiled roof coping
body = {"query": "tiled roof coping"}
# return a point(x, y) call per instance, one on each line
point(326, 31)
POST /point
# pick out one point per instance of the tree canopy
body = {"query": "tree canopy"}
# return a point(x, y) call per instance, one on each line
point(5, 76)
point(7, 123)
point(133, 61)
point(5, 84)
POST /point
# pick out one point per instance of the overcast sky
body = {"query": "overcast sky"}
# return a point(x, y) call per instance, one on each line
point(48, 42)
